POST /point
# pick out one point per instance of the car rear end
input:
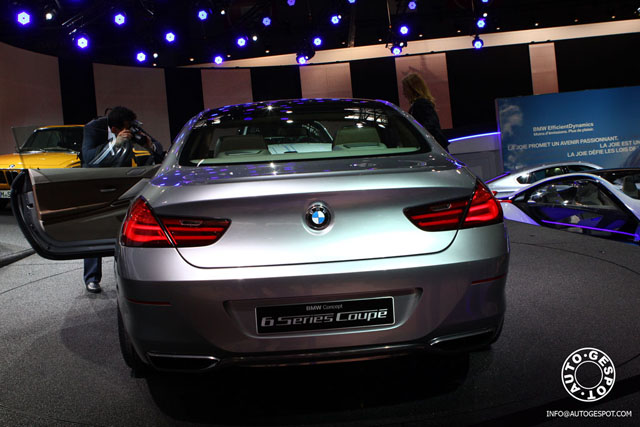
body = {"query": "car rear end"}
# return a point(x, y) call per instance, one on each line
point(341, 253)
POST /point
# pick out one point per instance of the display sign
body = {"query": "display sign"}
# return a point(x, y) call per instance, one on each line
point(597, 126)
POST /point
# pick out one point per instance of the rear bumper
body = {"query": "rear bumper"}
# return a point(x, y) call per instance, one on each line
point(449, 301)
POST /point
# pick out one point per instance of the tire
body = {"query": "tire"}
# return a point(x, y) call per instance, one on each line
point(131, 358)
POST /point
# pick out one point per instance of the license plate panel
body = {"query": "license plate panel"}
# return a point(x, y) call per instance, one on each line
point(5, 194)
point(327, 315)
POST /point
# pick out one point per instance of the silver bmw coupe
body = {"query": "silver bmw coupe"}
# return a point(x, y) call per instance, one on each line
point(285, 232)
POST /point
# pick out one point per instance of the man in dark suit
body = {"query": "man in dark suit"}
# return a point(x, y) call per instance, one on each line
point(113, 129)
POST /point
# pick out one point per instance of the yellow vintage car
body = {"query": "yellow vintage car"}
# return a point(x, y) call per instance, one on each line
point(48, 147)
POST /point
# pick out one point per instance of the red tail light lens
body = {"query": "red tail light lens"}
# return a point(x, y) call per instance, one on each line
point(195, 232)
point(482, 209)
point(142, 229)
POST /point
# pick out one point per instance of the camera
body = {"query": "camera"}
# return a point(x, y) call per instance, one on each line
point(139, 135)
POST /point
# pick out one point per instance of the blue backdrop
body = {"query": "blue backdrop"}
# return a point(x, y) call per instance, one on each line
point(597, 126)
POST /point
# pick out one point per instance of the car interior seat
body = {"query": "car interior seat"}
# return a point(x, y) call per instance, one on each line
point(588, 195)
point(629, 187)
point(233, 145)
point(350, 137)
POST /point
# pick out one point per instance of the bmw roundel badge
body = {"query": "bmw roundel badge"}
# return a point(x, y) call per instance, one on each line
point(318, 216)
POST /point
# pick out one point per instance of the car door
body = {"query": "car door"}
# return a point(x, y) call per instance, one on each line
point(75, 213)
point(581, 205)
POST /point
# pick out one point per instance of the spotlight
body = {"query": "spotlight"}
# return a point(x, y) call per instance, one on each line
point(266, 21)
point(119, 18)
point(351, 1)
point(317, 41)
point(50, 12)
point(141, 57)
point(412, 5)
point(223, 12)
point(203, 15)
point(305, 54)
point(170, 37)
point(155, 54)
point(82, 42)
point(477, 42)
point(404, 30)
point(241, 41)
point(218, 59)
point(396, 48)
point(335, 19)
point(481, 23)
point(291, 2)
point(23, 18)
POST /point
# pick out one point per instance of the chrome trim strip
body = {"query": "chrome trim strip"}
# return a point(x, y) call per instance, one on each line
point(435, 341)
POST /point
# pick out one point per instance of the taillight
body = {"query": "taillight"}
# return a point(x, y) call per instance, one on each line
point(484, 209)
point(481, 209)
point(142, 229)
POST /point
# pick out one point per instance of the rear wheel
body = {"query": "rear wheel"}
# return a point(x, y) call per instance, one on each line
point(131, 358)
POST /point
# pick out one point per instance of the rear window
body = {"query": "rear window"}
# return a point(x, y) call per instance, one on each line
point(296, 130)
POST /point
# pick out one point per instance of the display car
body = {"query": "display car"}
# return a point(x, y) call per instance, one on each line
point(511, 182)
point(50, 147)
point(602, 203)
point(285, 232)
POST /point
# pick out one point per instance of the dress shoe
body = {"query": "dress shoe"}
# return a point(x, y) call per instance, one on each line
point(93, 287)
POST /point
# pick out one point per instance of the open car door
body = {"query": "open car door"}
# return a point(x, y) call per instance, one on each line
point(75, 213)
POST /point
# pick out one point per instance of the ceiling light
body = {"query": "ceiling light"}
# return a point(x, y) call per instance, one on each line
point(254, 38)
point(203, 15)
point(141, 57)
point(477, 42)
point(50, 12)
point(317, 41)
point(396, 48)
point(191, 59)
point(291, 2)
point(266, 21)
point(404, 30)
point(223, 12)
point(412, 5)
point(119, 18)
point(155, 54)
point(170, 37)
point(218, 59)
point(241, 41)
point(82, 41)
point(351, 1)
point(481, 23)
point(23, 18)
point(335, 19)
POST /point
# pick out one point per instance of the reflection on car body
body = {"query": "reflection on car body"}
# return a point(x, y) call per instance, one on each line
point(286, 232)
point(601, 203)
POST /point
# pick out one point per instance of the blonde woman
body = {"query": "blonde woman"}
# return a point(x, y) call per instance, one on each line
point(423, 106)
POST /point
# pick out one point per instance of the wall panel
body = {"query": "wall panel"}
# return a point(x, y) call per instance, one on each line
point(29, 92)
point(326, 81)
point(433, 69)
point(226, 87)
point(544, 74)
point(140, 89)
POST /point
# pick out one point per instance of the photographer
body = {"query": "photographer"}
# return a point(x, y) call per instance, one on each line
point(108, 142)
